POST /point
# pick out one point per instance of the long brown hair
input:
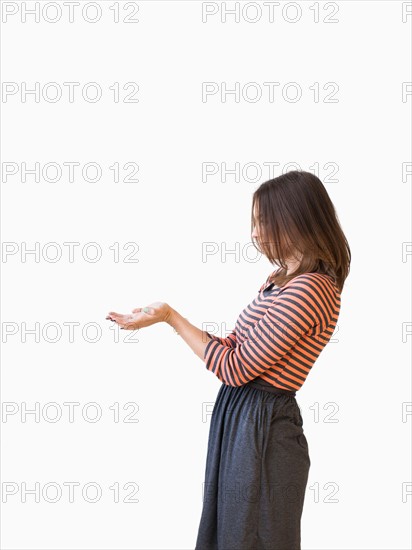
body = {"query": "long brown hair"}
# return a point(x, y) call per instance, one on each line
point(296, 217)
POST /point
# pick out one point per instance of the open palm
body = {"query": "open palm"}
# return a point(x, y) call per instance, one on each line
point(140, 317)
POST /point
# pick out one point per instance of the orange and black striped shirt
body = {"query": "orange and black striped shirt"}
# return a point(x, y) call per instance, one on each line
point(279, 335)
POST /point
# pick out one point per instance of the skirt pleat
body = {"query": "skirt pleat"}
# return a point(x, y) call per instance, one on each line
point(257, 469)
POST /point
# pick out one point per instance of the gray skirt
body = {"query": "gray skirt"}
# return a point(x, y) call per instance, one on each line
point(257, 469)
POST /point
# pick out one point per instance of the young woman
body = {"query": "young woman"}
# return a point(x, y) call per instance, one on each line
point(258, 461)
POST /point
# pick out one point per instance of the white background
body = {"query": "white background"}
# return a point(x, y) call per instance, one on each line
point(355, 400)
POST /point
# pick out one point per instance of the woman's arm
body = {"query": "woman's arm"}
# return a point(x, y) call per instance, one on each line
point(194, 337)
point(159, 312)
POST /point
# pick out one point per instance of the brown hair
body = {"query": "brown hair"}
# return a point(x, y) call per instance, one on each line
point(297, 216)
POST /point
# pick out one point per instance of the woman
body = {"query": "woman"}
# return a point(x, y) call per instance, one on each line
point(258, 461)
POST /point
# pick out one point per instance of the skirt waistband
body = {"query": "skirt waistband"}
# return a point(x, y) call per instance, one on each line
point(265, 386)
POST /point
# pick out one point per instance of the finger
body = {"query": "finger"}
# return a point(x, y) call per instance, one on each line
point(114, 316)
point(137, 310)
point(128, 326)
point(120, 316)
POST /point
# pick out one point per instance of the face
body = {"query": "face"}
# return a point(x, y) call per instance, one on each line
point(257, 226)
point(292, 263)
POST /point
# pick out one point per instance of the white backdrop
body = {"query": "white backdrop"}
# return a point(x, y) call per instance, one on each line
point(198, 103)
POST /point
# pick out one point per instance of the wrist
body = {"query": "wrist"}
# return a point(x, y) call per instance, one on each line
point(169, 315)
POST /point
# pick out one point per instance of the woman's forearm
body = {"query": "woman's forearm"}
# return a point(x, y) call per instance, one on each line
point(194, 337)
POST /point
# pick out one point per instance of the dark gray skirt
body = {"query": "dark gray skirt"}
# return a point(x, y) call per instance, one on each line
point(257, 469)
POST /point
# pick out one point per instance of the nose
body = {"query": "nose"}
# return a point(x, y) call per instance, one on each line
point(255, 233)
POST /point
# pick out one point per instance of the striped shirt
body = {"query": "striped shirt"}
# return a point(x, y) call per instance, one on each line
point(279, 335)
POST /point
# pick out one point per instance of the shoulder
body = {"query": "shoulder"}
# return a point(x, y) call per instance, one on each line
point(309, 298)
point(316, 286)
point(315, 290)
point(311, 282)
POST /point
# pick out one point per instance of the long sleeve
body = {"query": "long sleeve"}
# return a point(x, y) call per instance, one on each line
point(229, 341)
point(302, 308)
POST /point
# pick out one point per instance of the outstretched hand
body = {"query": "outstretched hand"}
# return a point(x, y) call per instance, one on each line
point(140, 317)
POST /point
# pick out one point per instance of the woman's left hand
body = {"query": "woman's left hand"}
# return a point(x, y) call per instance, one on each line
point(157, 312)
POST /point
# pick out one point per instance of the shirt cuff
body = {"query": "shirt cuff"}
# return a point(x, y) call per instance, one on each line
point(211, 353)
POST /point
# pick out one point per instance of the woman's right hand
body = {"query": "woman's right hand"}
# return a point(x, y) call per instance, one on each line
point(141, 317)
